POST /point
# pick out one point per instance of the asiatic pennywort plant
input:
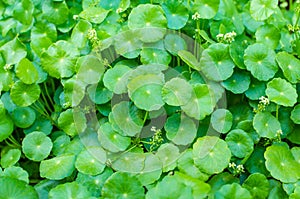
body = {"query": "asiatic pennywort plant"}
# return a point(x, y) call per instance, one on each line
point(149, 99)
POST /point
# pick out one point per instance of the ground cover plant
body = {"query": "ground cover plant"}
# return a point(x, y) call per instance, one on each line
point(149, 99)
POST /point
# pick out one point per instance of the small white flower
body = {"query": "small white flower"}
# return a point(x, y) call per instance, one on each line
point(264, 100)
point(153, 129)
point(232, 165)
point(196, 16)
point(119, 10)
point(75, 17)
point(7, 67)
point(240, 168)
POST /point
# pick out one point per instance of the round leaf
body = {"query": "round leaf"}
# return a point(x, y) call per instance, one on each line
point(256, 89)
point(221, 120)
point(91, 161)
point(177, 92)
point(281, 163)
point(26, 72)
point(145, 91)
point(211, 154)
point(258, 185)
point(238, 83)
point(111, 140)
point(59, 60)
point(6, 127)
point(16, 189)
point(174, 43)
point(94, 14)
point(116, 78)
point(23, 117)
point(36, 146)
point(149, 20)
point(58, 167)
point(268, 35)
point(10, 157)
point(24, 94)
point(55, 12)
point(152, 55)
point(176, 13)
point(207, 8)
point(180, 129)
point(69, 124)
point(17, 173)
point(295, 114)
point(266, 125)
point(240, 143)
point(13, 51)
point(122, 185)
point(216, 63)
point(69, 190)
point(233, 190)
point(260, 61)
point(290, 66)
point(168, 155)
point(261, 10)
point(281, 92)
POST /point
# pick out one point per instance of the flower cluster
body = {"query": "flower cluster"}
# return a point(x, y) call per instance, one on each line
point(292, 28)
point(196, 16)
point(263, 103)
point(237, 169)
point(226, 38)
point(7, 67)
point(156, 139)
point(92, 36)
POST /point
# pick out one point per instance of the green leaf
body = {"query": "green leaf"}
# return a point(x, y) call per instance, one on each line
point(174, 43)
point(153, 55)
point(122, 185)
point(89, 69)
point(231, 191)
point(295, 194)
point(69, 190)
point(55, 12)
point(24, 94)
point(201, 103)
point(111, 140)
point(99, 94)
point(94, 14)
point(13, 51)
point(36, 146)
point(127, 118)
point(91, 161)
point(168, 155)
point(116, 79)
point(128, 44)
point(177, 92)
point(211, 154)
point(260, 61)
point(256, 89)
point(23, 117)
point(129, 162)
point(266, 125)
point(256, 162)
point(180, 129)
point(68, 123)
point(206, 8)
point(6, 127)
point(238, 83)
point(149, 20)
point(258, 185)
point(281, 92)
point(15, 189)
point(295, 114)
point(240, 143)
point(268, 35)
point(57, 168)
point(26, 72)
point(59, 60)
point(23, 12)
point(10, 157)
point(290, 66)
point(79, 33)
point(221, 120)
point(281, 163)
point(146, 91)
point(216, 63)
point(262, 9)
point(176, 13)
point(17, 173)
point(7, 79)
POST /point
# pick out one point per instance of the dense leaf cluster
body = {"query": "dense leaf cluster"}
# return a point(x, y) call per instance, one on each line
point(149, 99)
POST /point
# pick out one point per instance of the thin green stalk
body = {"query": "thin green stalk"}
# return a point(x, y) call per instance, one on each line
point(48, 95)
point(14, 141)
point(290, 5)
point(277, 111)
point(145, 117)
point(45, 102)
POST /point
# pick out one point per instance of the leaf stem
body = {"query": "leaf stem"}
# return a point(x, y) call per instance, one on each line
point(145, 117)
point(277, 111)
point(48, 95)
